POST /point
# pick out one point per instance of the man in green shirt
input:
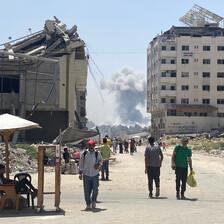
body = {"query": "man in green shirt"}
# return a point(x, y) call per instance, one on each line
point(180, 159)
point(105, 152)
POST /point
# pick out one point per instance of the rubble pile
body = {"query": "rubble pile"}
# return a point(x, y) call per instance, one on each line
point(53, 41)
point(203, 143)
point(19, 161)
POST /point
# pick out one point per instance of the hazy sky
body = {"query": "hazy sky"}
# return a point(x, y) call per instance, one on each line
point(116, 33)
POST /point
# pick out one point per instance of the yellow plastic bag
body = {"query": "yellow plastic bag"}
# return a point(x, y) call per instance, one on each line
point(191, 180)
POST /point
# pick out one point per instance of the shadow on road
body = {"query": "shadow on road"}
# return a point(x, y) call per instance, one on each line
point(27, 212)
point(188, 199)
point(158, 198)
point(95, 210)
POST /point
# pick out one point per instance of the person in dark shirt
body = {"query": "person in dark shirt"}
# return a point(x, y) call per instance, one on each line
point(66, 155)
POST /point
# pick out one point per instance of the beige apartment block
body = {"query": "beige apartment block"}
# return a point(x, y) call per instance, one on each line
point(185, 80)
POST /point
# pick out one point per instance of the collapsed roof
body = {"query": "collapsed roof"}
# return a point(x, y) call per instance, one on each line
point(55, 40)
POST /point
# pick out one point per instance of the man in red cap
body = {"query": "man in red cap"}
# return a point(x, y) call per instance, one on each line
point(89, 165)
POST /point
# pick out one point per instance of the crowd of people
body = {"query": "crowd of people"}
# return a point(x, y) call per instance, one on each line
point(123, 146)
point(90, 163)
point(93, 160)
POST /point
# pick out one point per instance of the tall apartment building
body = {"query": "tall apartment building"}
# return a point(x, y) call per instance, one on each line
point(185, 80)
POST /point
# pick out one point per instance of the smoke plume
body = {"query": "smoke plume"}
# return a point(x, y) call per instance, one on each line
point(129, 88)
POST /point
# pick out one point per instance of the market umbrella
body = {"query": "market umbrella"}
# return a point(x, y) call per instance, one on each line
point(8, 125)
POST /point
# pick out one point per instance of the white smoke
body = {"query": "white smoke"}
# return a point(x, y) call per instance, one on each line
point(129, 88)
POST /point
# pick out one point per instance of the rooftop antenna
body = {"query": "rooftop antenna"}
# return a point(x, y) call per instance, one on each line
point(199, 17)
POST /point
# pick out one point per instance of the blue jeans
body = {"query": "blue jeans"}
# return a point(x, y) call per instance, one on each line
point(90, 185)
point(105, 168)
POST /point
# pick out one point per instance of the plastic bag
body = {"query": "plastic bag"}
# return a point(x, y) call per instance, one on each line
point(191, 180)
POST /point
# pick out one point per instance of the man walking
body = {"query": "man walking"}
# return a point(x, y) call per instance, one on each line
point(89, 165)
point(180, 159)
point(153, 162)
point(105, 152)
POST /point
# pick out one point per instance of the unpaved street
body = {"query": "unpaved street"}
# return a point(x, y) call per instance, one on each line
point(125, 199)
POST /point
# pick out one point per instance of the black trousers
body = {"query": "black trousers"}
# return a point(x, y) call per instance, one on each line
point(24, 184)
point(153, 174)
point(181, 176)
point(105, 168)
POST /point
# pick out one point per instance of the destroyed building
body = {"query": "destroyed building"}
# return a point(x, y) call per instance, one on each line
point(43, 78)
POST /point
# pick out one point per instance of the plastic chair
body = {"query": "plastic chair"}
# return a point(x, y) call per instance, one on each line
point(19, 177)
point(8, 191)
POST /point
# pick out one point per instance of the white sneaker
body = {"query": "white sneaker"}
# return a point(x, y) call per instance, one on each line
point(157, 192)
point(88, 207)
point(93, 204)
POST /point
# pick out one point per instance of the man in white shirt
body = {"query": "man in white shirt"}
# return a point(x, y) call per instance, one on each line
point(89, 165)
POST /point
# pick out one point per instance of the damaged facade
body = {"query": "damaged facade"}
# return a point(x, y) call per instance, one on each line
point(43, 78)
point(185, 80)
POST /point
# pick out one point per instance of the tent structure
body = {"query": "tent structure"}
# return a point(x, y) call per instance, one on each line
point(73, 134)
point(8, 125)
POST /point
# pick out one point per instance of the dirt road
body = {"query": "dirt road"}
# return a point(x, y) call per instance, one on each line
point(125, 199)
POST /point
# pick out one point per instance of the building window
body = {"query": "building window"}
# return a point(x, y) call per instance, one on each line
point(220, 101)
point(195, 60)
point(173, 113)
point(163, 74)
point(184, 61)
point(163, 87)
point(206, 61)
point(82, 112)
point(163, 100)
point(172, 88)
point(195, 86)
point(184, 87)
point(220, 88)
point(184, 74)
point(185, 47)
point(163, 48)
point(203, 114)
point(195, 100)
point(220, 74)
point(172, 48)
point(206, 88)
point(172, 100)
point(220, 48)
point(172, 62)
point(206, 74)
point(184, 101)
point(220, 114)
point(220, 61)
point(206, 48)
point(173, 74)
point(205, 101)
point(195, 46)
point(195, 73)
point(9, 84)
point(163, 61)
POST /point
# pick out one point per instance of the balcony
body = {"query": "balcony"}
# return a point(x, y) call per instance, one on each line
point(171, 80)
point(168, 54)
point(171, 93)
point(168, 67)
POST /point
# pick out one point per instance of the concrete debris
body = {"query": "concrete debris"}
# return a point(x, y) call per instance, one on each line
point(19, 160)
point(54, 40)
